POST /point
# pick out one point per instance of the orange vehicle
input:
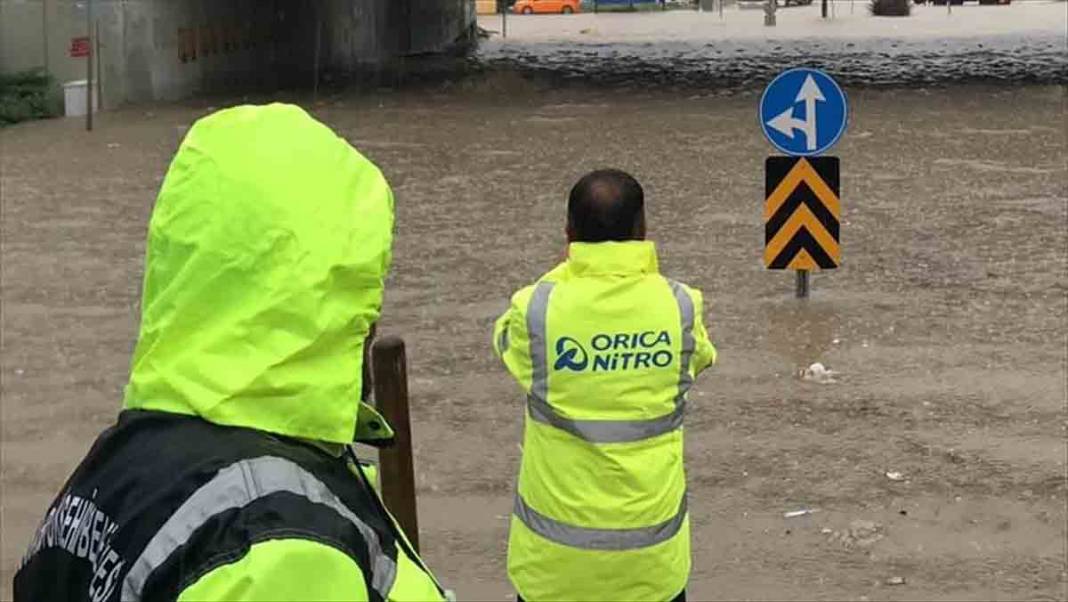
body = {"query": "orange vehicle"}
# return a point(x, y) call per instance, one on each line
point(529, 7)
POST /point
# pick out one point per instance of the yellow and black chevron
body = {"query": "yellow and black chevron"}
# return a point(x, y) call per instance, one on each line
point(801, 213)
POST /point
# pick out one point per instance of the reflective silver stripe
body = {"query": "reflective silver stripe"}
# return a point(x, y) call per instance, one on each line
point(539, 345)
point(604, 431)
point(607, 431)
point(237, 486)
point(599, 539)
point(686, 320)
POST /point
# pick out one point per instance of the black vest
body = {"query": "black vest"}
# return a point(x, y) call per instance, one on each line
point(162, 499)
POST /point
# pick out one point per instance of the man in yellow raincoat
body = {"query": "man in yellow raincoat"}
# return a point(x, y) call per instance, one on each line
point(229, 474)
point(605, 349)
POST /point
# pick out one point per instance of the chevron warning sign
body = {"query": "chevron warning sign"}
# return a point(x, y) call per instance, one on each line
point(801, 213)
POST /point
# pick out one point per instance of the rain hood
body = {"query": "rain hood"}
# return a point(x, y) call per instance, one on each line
point(267, 253)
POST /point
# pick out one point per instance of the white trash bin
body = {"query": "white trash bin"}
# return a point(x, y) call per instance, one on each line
point(74, 98)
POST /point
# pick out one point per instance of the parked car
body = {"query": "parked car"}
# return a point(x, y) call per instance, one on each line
point(530, 7)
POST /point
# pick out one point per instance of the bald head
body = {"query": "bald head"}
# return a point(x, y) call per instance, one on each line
point(606, 205)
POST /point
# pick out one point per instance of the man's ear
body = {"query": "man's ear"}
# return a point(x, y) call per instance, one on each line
point(639, 228)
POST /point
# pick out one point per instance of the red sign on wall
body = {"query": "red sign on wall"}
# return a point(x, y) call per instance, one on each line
point(79, 47)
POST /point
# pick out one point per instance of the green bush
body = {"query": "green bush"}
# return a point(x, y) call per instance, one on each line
point(28, 95)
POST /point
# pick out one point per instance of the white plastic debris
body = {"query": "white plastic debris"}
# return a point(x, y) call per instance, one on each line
point(895, 476)
point(819, 373)
point(801, 512)
point(895, 581)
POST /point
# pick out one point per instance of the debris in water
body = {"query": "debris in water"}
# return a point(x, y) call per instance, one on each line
point(895, 476)
point(818, 373)
point(864, 533)
point(895, 581)
point(860, 534)
point(801, 512)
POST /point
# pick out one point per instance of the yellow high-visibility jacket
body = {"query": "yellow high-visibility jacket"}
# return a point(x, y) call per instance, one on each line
point(227, 477)
point(605, 349)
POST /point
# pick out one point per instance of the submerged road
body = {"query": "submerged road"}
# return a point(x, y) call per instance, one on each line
point(946, 321)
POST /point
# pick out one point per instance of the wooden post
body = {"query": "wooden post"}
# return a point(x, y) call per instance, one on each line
point(391, 397)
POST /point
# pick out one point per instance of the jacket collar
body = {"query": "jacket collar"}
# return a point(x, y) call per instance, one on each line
point(612, 258)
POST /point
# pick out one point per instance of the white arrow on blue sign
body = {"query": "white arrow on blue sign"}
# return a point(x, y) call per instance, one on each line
point(803, 112)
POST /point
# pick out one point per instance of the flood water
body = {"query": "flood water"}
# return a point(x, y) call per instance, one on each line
point(946, 321)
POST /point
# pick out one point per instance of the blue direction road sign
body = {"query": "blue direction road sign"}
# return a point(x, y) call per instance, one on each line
point(803, 112)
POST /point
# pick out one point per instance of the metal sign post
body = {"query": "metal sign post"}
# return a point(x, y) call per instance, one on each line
point(803, 113)
point(89, 67)
point(769, 12)
point(99, 65)
point(391, 397)
point(802, 284)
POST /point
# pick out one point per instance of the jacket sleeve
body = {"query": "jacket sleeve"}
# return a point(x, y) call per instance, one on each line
point(704, 354)
point(511, 341)
point(282, 570)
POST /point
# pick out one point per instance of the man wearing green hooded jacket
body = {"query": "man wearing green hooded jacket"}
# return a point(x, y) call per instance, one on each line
point(229, 475)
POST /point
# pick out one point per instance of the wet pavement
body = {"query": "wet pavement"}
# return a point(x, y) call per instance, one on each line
point(946, 322)
point(994, 44)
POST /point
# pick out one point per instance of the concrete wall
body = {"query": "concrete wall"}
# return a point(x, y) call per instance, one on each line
point(362, 33)
point(167, 49)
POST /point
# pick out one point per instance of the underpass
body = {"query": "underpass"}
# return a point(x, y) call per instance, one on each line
point(163, 50)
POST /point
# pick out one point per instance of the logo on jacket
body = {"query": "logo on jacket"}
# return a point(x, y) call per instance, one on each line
point(570, 355)
point(76, 525)
point(618, 351)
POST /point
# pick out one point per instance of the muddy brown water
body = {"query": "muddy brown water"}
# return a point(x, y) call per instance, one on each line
point(947, 321)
